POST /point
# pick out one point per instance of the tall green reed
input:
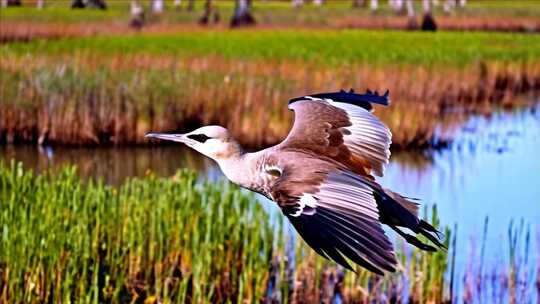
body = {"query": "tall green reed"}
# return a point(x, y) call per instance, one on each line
point(174, 239)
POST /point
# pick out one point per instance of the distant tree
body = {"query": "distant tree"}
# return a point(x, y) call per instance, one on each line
point(411, 23)
point(318, 2)
point(297, 3)
point(78, 4)
point(40, 4)
point(428, 22)
point(177, 4)
point(137, 15)
point(242, 14)
point(210, 14)
point(89, 3)
point(13, 3)
point(191, 5)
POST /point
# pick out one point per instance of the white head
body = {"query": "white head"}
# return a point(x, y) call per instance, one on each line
point(212, 141)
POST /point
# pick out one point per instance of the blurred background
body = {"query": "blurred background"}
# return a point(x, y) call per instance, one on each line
point(91, 211)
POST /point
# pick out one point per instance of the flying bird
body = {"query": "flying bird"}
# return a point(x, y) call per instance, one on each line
point(322, 176)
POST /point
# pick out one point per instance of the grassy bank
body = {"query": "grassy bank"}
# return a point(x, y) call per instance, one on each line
point(177, 240)
point(111, 90)
point(476, 15)
point(321, 47)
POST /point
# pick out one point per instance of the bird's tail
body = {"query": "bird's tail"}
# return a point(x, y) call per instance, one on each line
point(398, 211)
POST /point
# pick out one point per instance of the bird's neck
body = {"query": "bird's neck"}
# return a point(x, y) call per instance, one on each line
point(239, 168)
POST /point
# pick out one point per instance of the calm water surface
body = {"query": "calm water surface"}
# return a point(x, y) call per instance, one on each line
point(491, 170)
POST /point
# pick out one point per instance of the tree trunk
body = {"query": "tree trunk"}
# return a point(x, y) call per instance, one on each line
point(13, 3)
point(207, 14)
point(191, 5)
point(137, 15)
point(40, 4)
point(242, 14)
point(410, 8)
point(157, 6)
point(374, 5)
point(177, 4)
point(428, 22)
point(78, 4)
point(412, 24)
point(358, 3)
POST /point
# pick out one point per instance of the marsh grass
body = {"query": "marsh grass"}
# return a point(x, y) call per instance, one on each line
point(178, 240)
point(72, 92)
point(65, 240)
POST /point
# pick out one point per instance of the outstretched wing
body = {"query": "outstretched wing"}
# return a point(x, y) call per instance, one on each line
point(335, 212)
point(341, 126)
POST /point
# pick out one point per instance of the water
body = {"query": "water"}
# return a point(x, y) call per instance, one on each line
point(491, 170)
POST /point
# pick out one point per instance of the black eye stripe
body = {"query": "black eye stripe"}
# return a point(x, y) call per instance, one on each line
point(199, 137)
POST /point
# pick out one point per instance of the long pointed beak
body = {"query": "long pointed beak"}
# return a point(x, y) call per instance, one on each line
point(171, 137)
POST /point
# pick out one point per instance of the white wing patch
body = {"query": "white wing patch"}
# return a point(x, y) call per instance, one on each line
point(273, 170)
point(368, 137)
point(306, 200)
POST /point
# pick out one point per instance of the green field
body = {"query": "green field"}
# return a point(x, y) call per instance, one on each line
point(326, 48)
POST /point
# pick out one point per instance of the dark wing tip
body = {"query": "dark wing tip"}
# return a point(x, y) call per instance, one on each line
point(362, 100)
point(333, 243)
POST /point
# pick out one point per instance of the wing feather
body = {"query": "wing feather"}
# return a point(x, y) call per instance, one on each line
point(342, 221)
point(345, 132)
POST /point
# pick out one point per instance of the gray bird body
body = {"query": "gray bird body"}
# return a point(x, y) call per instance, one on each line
point(322, 178)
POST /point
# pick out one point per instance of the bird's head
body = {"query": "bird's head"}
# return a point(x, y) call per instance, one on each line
point(213, 141)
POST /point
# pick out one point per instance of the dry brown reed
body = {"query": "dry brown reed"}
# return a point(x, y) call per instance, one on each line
point(86, 99)
point(447, 23)
point(28, 30)
point(13, 31)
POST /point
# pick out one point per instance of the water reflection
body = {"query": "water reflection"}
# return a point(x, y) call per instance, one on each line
point(111, 165)
point(492, 169)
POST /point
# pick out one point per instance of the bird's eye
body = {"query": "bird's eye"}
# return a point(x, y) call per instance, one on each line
point(199, 137)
